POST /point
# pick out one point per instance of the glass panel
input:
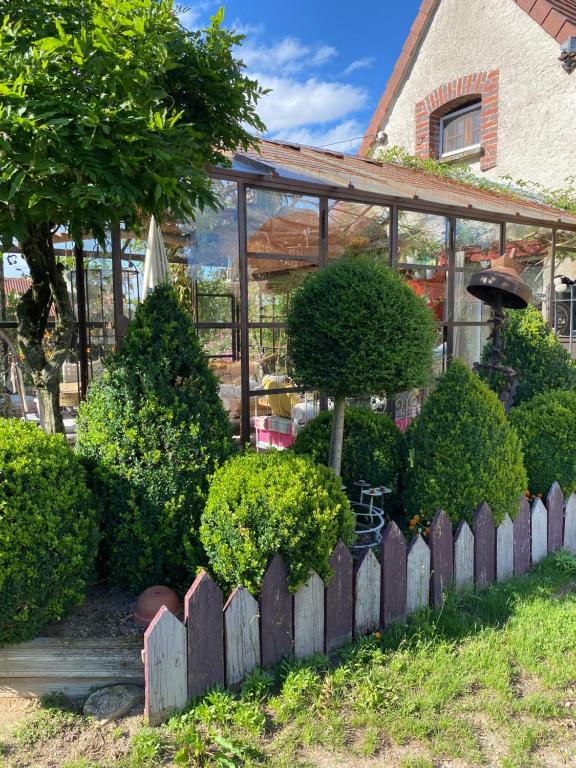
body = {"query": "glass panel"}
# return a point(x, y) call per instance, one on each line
point(467, 309)
point(461, 131)
point(531, 247)
point(422, 238)
point(227, 370)
point(270, 285)
point(469, 342)
point(477, 243)
point(564, 296)
point(355, 228)
point(281, 223)
point(430, 283)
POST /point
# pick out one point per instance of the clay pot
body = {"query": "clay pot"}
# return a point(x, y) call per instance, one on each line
point(151, 600)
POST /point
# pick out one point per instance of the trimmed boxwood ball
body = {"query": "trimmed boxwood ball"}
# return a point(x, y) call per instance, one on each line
point(463, 451)
point(546, 426)
point(374, 449)
point(154, 430)
point(532, 348)
point(48, 530)
point(263, 503)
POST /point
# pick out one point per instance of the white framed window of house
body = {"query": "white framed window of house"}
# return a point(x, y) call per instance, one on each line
point(460, 130)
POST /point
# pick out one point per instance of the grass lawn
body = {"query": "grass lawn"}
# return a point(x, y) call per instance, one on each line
point(488, 680)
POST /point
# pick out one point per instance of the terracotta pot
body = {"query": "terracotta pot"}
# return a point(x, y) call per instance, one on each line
point(151, 600)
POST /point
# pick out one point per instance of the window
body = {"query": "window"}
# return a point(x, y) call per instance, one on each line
point(460, 130)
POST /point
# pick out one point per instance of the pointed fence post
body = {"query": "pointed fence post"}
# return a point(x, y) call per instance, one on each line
point(418, 576)
point(309, 618)
point(393, 564)
point(463, 557)
point(276, 614)
point(555, 506)
point(203, 606)
point(539, 518)
point(367, 594)
point(165, 667)
point(484, 546)
point(339, 609)
point(505, 550)
point(242, 636)
point(570, 524)
point(442, 556)
point(522, 547)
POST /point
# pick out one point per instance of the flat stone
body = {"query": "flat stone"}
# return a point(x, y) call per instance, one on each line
point(113, 702)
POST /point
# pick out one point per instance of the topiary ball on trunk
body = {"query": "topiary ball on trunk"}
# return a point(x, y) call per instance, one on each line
point(463, 451)
point(261, 504)
point(154, 430)
point(546, 426)
point(48, 530)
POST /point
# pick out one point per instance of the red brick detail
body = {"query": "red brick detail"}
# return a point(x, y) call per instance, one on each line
point(450, 96)
point(556, 17)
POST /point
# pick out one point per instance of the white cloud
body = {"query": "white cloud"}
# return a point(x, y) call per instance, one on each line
point(193, 16)
point(285, 57)
point(294, 103)
point(364, 63)
point(343, 137)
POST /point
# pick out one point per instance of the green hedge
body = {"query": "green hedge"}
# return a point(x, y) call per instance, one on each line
point(374, 449)
point(462, 451)
point(48, 530)
point(547, 426)
point(154, 429)
point(263, 503)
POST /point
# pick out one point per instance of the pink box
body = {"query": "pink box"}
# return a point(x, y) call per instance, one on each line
point(266, 438)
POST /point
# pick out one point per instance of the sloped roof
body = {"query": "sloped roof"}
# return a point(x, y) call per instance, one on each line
point(557, 17)
point(300, 166)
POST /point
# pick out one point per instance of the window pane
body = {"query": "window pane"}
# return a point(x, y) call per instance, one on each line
point(467, 309)
point(357, 228)
point(477, 243)
point(461, 131)
point(422, 238)
point(283, 224)
point(531, 247)
point(469, 341)
point(565, 267)
point(430, 283)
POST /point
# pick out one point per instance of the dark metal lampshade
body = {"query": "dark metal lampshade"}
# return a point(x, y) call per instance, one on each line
point(501, 285)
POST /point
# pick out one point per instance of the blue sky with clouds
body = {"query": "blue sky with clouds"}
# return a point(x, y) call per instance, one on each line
point(326, 62)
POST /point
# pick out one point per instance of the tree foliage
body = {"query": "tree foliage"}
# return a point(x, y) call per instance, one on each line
point(462, 451)
point(153, 430)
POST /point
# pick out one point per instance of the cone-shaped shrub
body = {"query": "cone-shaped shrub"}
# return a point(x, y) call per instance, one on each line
point(48, 530)
point(534, 351)
point(374, 449)
point(263, 503)
point(154, 429)
point(546, 426)
point(462, 451)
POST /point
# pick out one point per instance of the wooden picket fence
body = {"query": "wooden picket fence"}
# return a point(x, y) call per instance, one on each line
point(220, 642)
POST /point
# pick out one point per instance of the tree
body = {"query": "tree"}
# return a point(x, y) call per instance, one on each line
point(109, 111)
point(355, 328)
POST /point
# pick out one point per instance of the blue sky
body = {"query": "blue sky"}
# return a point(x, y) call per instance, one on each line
point(327, 62)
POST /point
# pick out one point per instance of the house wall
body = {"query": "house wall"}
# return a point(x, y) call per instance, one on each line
point(537, 98)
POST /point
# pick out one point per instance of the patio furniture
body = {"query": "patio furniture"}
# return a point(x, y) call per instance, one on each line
point(369, 517)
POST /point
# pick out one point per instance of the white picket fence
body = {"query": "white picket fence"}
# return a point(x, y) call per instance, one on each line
point(220, 642)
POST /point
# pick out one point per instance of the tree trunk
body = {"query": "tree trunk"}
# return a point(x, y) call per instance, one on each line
point(337, 436)
point(44, 354)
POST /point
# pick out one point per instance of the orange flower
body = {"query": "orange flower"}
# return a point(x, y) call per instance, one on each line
point(426, 531)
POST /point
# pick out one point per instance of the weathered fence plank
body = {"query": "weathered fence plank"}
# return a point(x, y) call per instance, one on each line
point(522, 537)
point(276, 614)
point(570, 524)
point(309, 618)
point(339, 608)
point(367, 595)
point(463, 556)
point(165, 666)
point(484, 546)
point(393, 588)
point(442, 556)
point(242, 635)
point(203, 606)
point(418, 576)
point(505, 550)
point(539, 531)
point(555, 506)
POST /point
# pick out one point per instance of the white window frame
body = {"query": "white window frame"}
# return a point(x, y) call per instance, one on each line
point(470, 108)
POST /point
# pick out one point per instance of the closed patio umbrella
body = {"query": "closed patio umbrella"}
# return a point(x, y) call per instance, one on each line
point(156, 269)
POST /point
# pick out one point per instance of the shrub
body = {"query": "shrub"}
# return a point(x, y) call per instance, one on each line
point(374, 449)
point(546, 426)
point(463, 451)
point(263, 503)
point(48, 530)
point(534, 351)
point(356, 328)
point(154, 429)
